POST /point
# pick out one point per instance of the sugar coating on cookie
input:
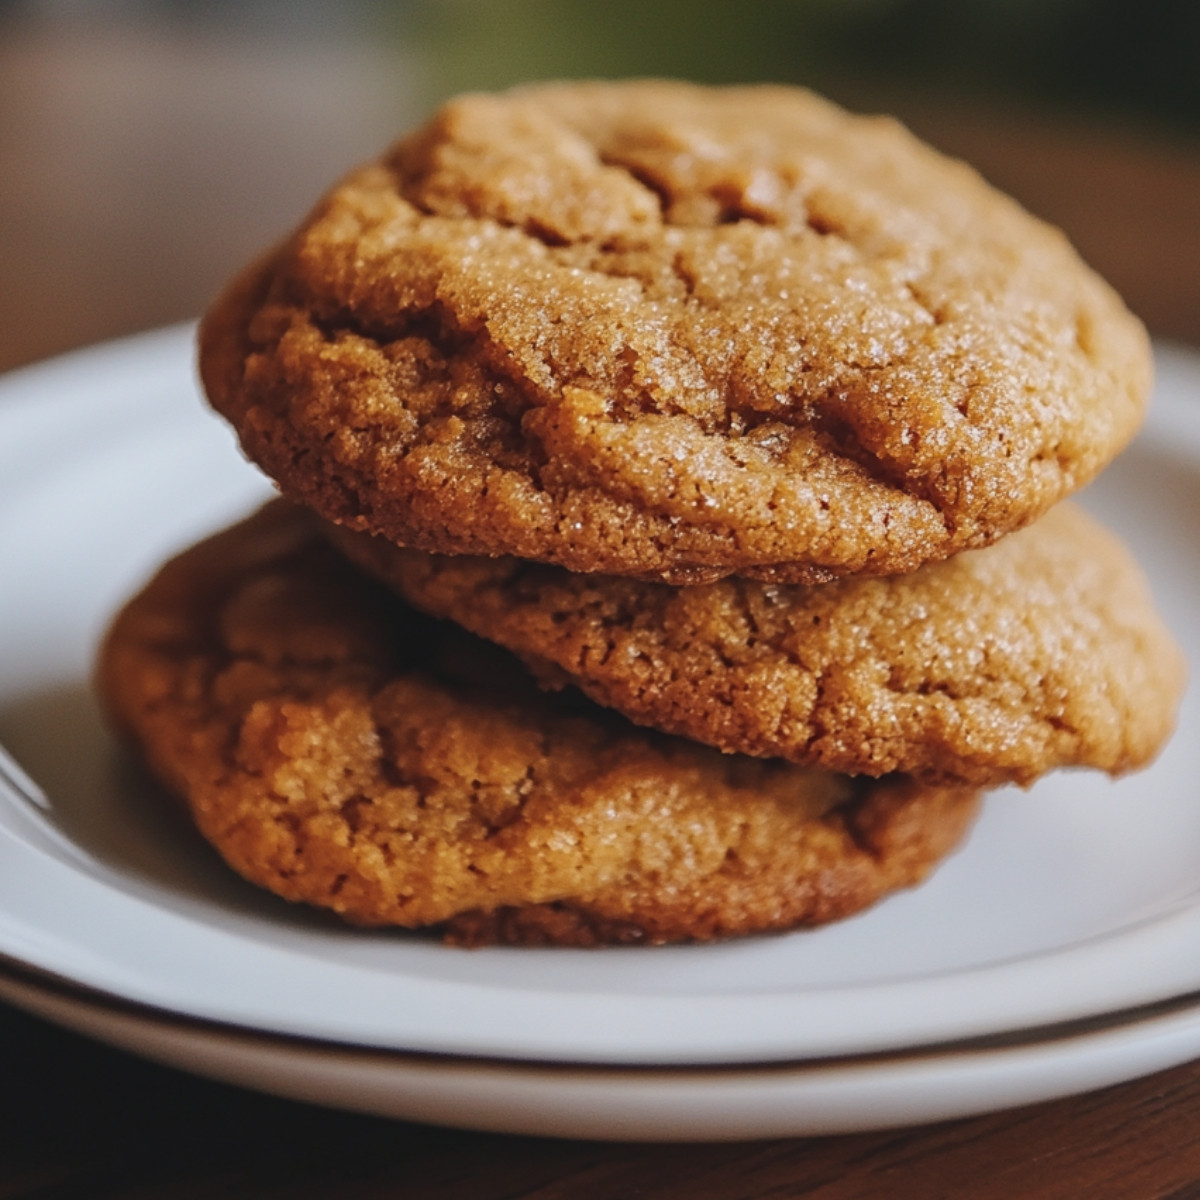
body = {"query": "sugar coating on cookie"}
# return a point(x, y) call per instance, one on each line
point(340, 749)
point(1041, 651)
point(660, 330)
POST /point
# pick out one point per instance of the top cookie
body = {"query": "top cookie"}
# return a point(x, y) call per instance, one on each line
point(659, 330)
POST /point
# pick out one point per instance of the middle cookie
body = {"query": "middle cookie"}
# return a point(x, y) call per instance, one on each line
point(1041, 651)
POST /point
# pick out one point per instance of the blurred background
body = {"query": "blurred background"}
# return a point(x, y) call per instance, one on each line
point(148, 148)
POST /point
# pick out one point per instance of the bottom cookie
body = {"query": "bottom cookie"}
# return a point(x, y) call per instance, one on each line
point(339, 749)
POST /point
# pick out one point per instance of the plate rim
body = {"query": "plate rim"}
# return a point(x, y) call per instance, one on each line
point(815, 1097)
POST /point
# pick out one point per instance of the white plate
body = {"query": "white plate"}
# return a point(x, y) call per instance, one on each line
point(642, 1103)
point(1080, 897)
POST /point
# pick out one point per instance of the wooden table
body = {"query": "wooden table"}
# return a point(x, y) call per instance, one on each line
point(119, 213)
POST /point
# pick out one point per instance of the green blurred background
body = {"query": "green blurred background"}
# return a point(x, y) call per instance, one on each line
point(1132, 61)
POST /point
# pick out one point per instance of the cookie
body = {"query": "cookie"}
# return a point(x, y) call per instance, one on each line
point(1041, 651)
point(658, 330)
point(339, 748)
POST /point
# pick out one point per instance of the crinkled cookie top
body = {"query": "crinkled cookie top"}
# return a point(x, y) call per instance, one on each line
point(660, 330)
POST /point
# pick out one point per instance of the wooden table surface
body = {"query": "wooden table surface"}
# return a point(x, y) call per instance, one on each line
point(117, 211)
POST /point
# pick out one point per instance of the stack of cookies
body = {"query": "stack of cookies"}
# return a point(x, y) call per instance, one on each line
point(671, 546)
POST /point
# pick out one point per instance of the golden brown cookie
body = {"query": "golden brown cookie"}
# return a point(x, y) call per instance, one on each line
point(998, 665)
point(659, 330)
point(340, 749)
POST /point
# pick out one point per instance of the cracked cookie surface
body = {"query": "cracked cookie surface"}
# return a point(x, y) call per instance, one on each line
point(339, 748)
point(658, 330)
point(1041, 651)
